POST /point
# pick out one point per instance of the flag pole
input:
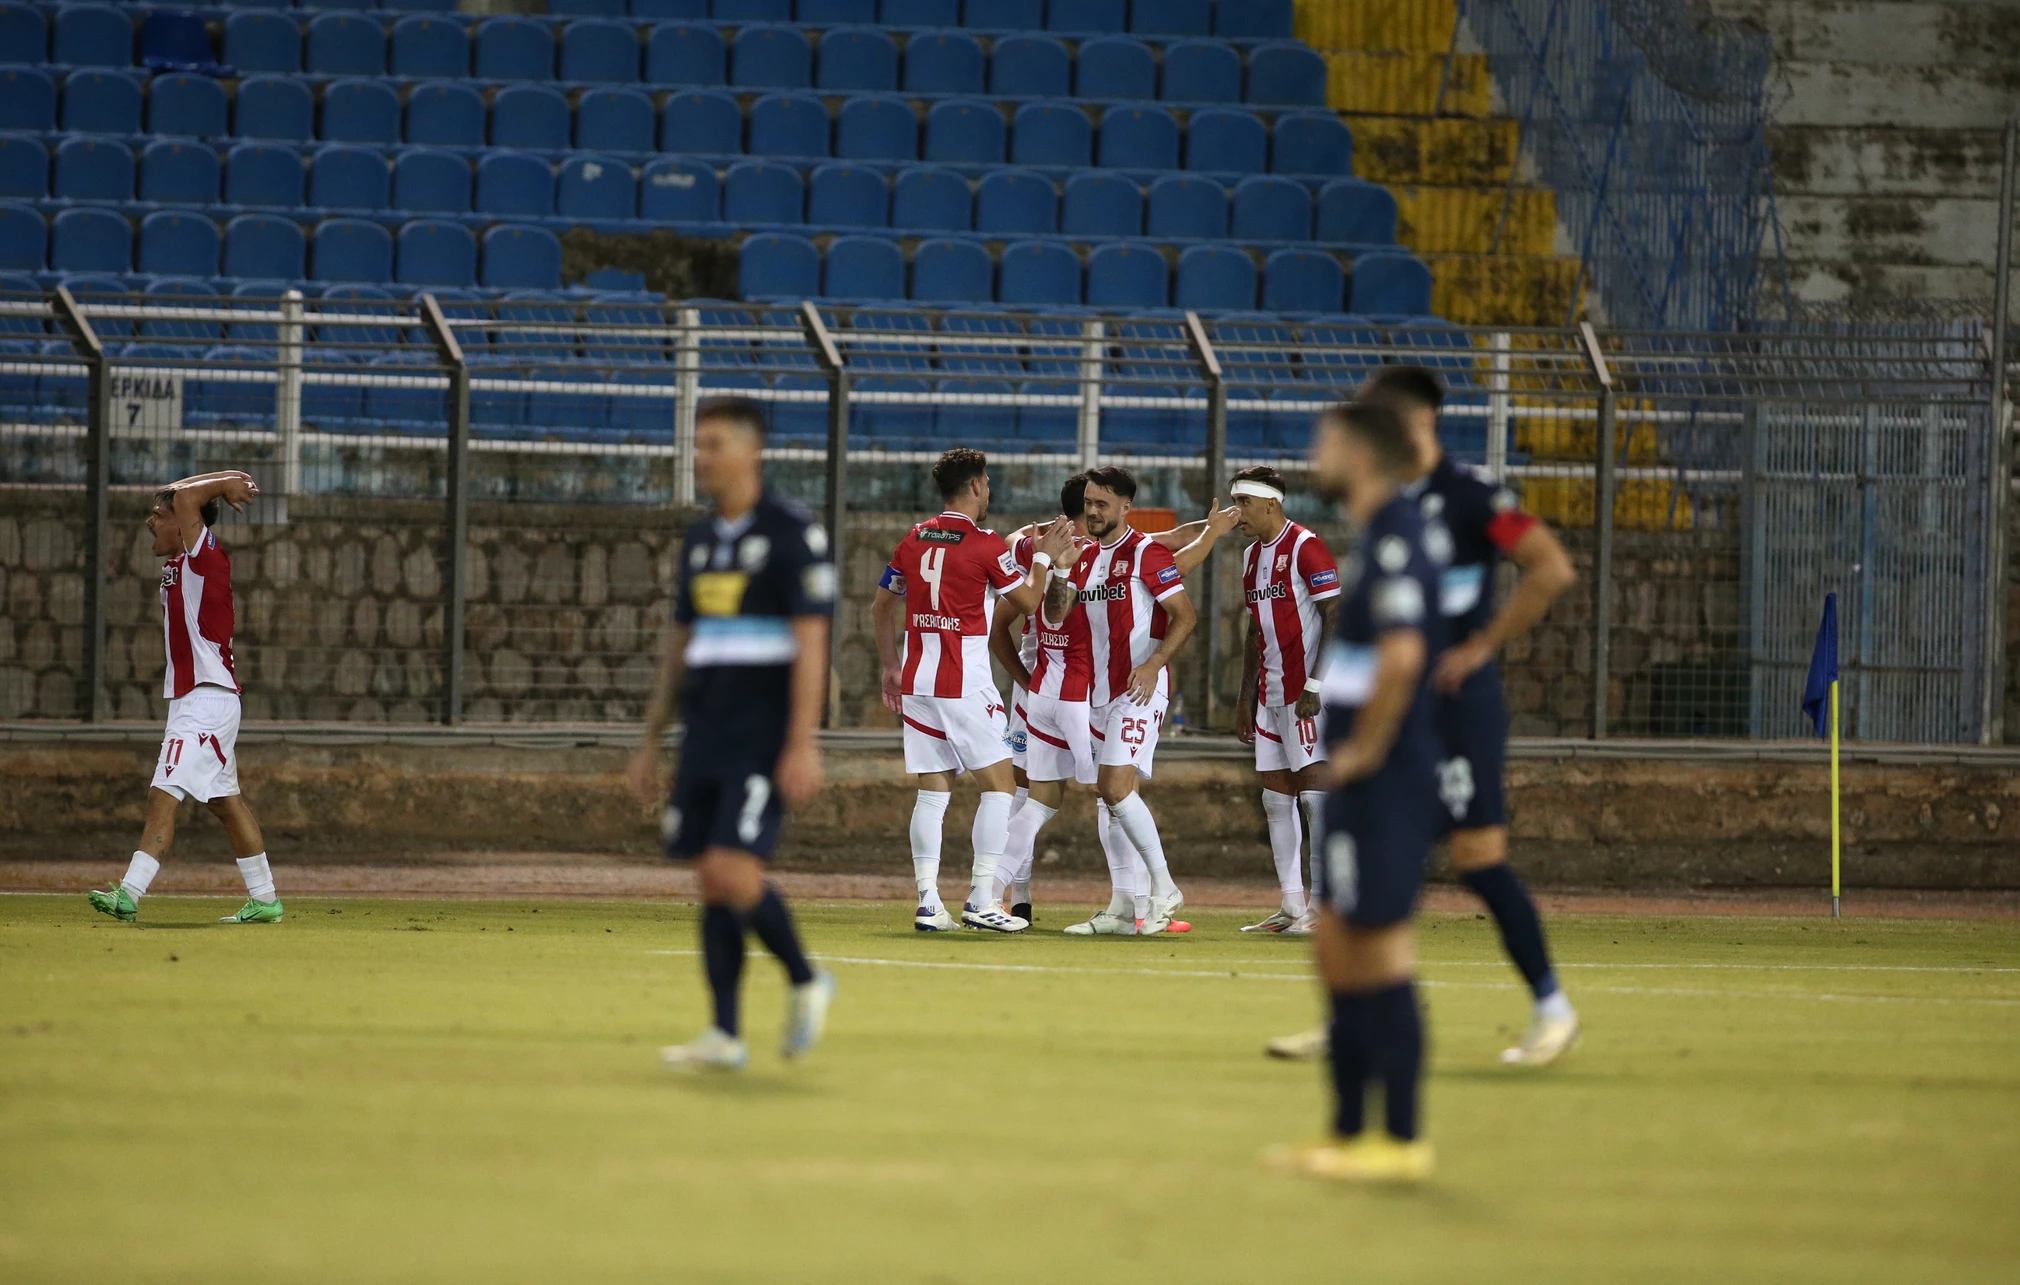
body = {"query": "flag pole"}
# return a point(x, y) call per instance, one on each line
point(1834, 801)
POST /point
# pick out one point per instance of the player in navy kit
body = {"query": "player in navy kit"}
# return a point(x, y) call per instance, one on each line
point(748, 652)
point(1380, 815)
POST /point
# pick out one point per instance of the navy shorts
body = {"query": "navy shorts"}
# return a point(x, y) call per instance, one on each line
point(1377, 842)
point(722, 800)
point(1473, 730)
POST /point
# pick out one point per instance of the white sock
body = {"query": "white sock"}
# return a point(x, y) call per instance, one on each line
point(140, 873)
point(1554, 1007)
point(1134, 816)
point(1023, 793)
point(259, 881)
point(1314, 802)
point(1115, 847)
point(990, 833)
point(1025, 823)
point(929, 815)
point(1286, 848)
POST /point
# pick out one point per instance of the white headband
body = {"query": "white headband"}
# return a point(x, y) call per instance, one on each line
point(1261, 490)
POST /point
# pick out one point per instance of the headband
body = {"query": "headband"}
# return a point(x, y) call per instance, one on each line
point(1261, 490)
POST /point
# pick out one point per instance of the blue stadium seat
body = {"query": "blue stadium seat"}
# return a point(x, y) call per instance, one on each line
point(1051, 134)
point(1101, 205)
point(926, 198)
point(274, 107)
point(262, 174)
point(24, 170)
point(848, 196)
point(1017, 203)
point(1286, 75)
point(264, 245)
point(24, 37)
point(27, 100)
point(351, 250)
point(877, 129)
point(1030, 67)
point(1144, 138)
point(771, 58)
point(1200, 71)
point(1391, 282)
point(1255, 20)
point(187, 104)
point(706, 123)
point(422, 408)
point(92, 35)
point(514, 183)
point(944, 62)
point(178, 173)
point(349, 178)
point(788, 125)
point(1038, 272)
point(174, 244)
point(773, 265)
point(1126, 276)
point(445, 116)
point(1271, 209)
point(1183, 206)
point(1356, 211)
point(520, 256)
point(678, 10)
point(360, 111)
point(948, 271)
point(1308, 143)
point(965, 131)
point(262, 294)
point(1171, 17)
point(514, 49)
point(751, 10)
point(585, 8)
point(920, 13)
point(1086, 15)
point(1215, 277)
point(1226, 141)
point(680, 192)
point(102, 102)
point(343, 44)
point(92, 169)
point(341, 4)
point(1115, 67)
point(528, 306)
point(993, 359)
point(23, 238)
point(187, 293)
point(529, 116)
point(614, 120)
point(429, 47)
point(762, 192)
point(595, 187)
point(436, 252)
point(257, 43)
point(598, 49)
point(640, 419)
point(677, 54)
point(1303, 281)
point(863, 267)
point(861, 61)
point(830, 13)
point(90, 241)
point(902, 426)
point(431, 182)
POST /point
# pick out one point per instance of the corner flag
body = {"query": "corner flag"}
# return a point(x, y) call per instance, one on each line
point(1823, 669)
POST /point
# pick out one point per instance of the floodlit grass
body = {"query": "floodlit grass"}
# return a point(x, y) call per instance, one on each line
point(434, 1091)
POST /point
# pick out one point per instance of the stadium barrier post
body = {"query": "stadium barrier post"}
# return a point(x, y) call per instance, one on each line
point(97, 497)
point(687, 380)
point(830, 357)
point(288, 398)
point(1835, 845)
point(1602, 529)
point(1497, 406)
point(1992, 723)
point(1090, 394)
point(457, 492)
point(1216, 466)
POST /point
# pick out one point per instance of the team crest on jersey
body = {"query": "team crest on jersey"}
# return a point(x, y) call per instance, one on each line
point(1392, 554)
point(169, 572)
point(1433, 505)
point(1120, 567)
point(935, 535)
point(752, 552)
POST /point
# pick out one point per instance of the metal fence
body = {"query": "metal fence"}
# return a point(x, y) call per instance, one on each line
point(471, 508)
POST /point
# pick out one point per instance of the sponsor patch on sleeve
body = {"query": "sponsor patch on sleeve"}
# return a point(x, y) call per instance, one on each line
point(1008, 562)
point(1325, 579)
point(1166, 575)
point(817, 582)
point(1397, 601)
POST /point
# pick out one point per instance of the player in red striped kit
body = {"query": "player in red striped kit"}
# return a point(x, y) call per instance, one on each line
point(199, 750)
point(948, 572)
point(1291, 586)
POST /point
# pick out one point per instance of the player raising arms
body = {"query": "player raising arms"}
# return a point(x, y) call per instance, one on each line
point(946, 575)
point(1380, 815)
point(199, 748)
point(1291, 586)
point(747, 650)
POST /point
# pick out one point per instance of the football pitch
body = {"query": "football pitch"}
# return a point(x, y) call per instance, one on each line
point(417, 1090)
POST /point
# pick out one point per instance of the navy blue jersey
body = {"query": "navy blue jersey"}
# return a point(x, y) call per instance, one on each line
point(1390, 582)
point(1472, 520)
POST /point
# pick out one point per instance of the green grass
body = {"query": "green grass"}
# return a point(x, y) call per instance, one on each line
point(433, 1091)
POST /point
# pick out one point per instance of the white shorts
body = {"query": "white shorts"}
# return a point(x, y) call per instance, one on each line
point(955, 733)
point(1061, 745)
point(1014, 736)
point(1283, 741)
point(199, 748)
point(1125, 733)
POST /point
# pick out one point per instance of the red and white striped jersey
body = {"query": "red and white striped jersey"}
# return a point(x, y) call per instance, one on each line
point(1125, 581)
point(196, 619)
point(1284, 581)
point(1064, 668)
point(949, 572)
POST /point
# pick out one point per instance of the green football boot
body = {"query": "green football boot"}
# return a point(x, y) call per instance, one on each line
point(115, 901)
point(255, 912)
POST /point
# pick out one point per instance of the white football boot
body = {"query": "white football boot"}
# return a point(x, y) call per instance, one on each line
point(807, 1013)
point(928, 919)
point(1305, 1046)
point(1546, 1040)
point(993, 918)
point(713, 1050)
point(1302, 926)
point(1280, 920)
point(1103, 924)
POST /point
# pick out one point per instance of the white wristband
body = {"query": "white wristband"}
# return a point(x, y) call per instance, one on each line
point(1314, 686)
point(1041, 561)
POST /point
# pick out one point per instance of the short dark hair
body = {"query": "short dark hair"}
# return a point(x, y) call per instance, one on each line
point(1380, 427)
point(957, 468)
point(212, 509)
point(1073, 496)
point(1111, 478)
point(1262, 473)
point(741, 411)
point(1403, 387)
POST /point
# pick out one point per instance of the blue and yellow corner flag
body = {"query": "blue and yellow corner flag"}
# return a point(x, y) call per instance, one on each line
point(1823, 669)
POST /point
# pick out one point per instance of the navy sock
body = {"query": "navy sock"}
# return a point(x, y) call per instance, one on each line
point(773, 924)
point(1348, 1054)
point(1521, 928)
point(722, 961)
point(1396, 1028)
